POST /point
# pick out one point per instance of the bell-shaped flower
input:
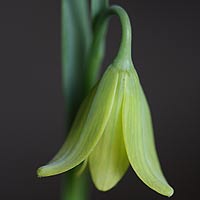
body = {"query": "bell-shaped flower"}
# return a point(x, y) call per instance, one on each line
point(113, 128)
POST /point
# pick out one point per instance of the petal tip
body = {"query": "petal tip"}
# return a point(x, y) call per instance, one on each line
point(104, 187)
point(171, 192)
point(168, 191)
point(41, 172)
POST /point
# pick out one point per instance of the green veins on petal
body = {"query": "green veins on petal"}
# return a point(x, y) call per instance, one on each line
point(87, 129)
point(138, 136)
point(108, 161)
point(112, 129)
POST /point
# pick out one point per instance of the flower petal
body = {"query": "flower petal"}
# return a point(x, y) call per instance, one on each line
point(138, 137)
point(81, 168)
point(87, 129)
point(77, 126)
point(108, 161)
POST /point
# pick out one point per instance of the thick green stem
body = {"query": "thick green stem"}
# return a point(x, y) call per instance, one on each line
point(97, 47)
point(73, 187)
point(95, 56)
point(75, 42)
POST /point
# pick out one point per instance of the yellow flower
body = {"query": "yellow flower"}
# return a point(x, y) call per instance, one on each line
point(112, 129)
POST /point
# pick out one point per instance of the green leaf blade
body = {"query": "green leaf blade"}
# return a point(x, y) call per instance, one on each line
point(76, 36)
point(97, 6)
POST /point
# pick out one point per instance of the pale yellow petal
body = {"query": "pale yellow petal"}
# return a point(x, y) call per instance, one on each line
point(108, 162)
point(91, 128)
point(77, 126)
point(138, 136)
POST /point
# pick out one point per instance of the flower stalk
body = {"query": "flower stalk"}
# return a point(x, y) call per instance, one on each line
point(98, 46)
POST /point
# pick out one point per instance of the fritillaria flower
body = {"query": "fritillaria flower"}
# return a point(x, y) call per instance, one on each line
point(113, 129)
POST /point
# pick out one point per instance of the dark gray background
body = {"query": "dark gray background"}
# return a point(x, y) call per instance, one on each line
point(166, 46)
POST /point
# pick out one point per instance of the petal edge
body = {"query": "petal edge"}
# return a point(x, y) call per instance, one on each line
point(138, 137)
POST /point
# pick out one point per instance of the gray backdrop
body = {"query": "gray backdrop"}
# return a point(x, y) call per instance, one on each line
point(166, 39)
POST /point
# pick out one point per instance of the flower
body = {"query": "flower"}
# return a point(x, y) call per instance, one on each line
point(111, 131)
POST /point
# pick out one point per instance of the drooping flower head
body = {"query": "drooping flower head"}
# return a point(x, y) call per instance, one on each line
point(113, 130)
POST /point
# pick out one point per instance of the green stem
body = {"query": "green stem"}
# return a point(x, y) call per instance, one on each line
point(97, 48)
point(73, 187)
point(75, 42)
point(124, 53)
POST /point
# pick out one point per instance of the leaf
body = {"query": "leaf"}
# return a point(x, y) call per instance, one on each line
point(75, 42)
point(97, 6)
point(108, 161)
point(91, 128)
point(138, 137)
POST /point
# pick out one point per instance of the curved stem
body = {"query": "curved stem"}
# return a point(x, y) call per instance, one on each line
point(96, 52)
point(124, 53)
point(97, 48)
